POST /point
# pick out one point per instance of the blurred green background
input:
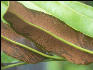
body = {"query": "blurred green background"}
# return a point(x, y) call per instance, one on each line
point(53, 65)
point(65, 65)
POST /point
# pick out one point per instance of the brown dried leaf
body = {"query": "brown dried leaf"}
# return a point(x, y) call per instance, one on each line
point(53, 25)
point(17, 51)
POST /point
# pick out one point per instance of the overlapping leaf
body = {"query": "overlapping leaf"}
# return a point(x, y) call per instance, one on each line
point(51, 33)
point(16, 51)
point(74, 14)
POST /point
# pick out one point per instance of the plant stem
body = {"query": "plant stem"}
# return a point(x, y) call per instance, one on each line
point(13, 65)
point(33, 50)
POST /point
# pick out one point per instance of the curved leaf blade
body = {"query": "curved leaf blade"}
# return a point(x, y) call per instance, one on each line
point(81, 8)
point(7, 59)
point(4, 7)
point(69, 15)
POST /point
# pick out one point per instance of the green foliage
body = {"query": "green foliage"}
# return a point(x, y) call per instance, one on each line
point(7, 59)
point(74, 14)
point(4, 7)
point(70, 66)
point(54, 65)
point(65, 65)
